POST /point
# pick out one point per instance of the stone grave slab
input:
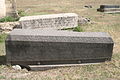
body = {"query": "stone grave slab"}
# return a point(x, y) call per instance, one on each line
point(63, 20)
point(42, 46)
point(109, 8)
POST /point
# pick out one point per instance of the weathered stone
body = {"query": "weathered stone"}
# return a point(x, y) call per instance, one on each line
point(83, 20)
point(41, 46)
point(8, 26)
point(11, 8)
point(16, 67)
point(66, 20)
point(109, 8)
point(2, 8)
point(88, 6)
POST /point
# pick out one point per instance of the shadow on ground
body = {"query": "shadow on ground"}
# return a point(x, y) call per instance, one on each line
point(2, 60)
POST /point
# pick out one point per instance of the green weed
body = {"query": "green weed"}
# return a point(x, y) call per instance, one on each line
point(2, 37)
point(8, 19)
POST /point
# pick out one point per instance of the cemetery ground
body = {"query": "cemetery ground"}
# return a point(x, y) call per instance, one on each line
point(100, 22)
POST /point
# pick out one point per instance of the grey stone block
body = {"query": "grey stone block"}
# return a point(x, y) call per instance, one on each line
point(109, 8)
point(64, 20)
point(39, 46)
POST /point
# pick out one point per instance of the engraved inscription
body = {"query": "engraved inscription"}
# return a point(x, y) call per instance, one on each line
point(59, 21)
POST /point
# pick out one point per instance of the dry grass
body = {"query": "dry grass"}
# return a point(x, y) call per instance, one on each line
point(55, 6)
point(100, 22)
